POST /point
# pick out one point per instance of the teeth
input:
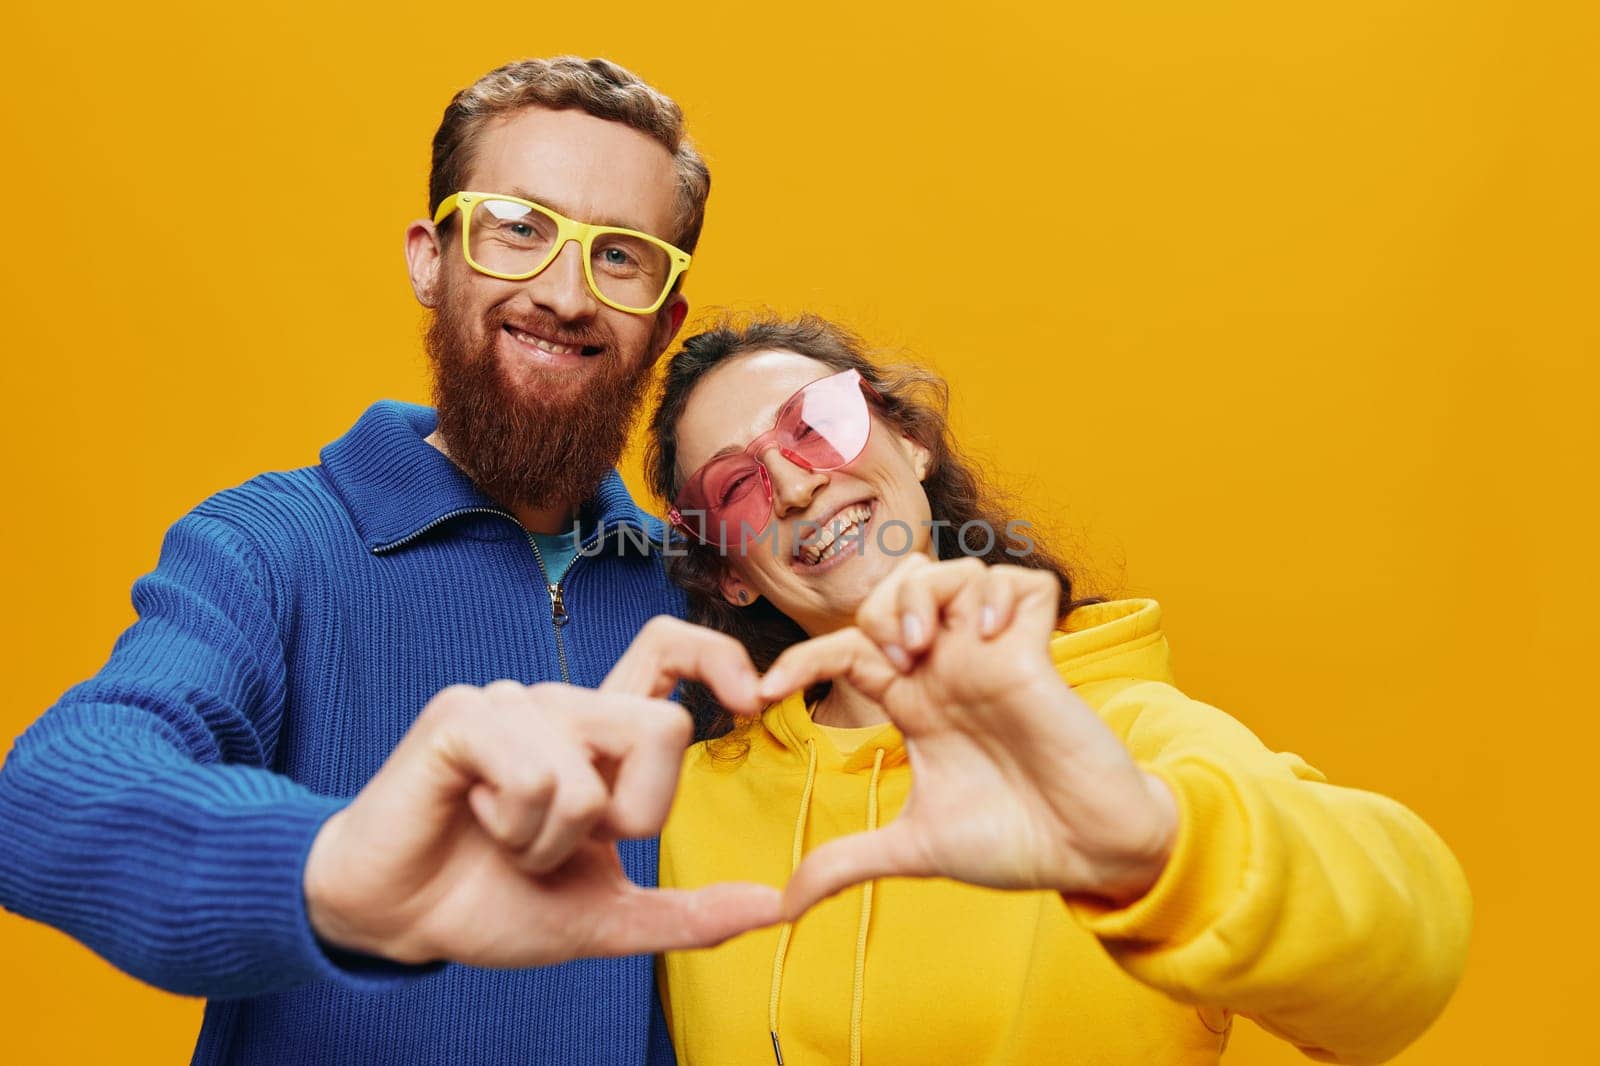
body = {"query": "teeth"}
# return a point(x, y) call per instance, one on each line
point(832, 537)
point(549, 346)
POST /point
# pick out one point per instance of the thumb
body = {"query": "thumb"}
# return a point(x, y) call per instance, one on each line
point(850, 860)
point(651, 920)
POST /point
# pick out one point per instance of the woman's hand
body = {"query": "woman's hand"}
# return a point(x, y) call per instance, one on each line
point(1016, 783)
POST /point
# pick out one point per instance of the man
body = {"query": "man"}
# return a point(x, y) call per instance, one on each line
point(320, 634)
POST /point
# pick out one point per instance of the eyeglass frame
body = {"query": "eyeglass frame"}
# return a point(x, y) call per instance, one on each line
point(762, 441)
point(567, 229)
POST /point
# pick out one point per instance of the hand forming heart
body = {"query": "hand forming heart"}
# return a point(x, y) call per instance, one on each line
point(1016, 782)
point(489, 836)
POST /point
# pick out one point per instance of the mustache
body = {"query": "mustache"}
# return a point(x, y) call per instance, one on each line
point(543, 324)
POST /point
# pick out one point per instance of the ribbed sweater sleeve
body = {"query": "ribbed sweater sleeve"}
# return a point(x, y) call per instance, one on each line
point(139, 814)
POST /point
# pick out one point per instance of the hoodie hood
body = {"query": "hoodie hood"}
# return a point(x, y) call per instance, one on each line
point(1116, 641)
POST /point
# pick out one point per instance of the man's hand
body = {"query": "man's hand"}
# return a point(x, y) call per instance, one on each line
point(1016, 783)
point(489, 835)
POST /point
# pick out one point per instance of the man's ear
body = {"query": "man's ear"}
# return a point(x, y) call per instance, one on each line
point(424, 256)
point(669, 320)
point(735, 591)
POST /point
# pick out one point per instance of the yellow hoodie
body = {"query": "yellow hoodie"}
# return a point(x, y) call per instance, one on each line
point(1332, 917)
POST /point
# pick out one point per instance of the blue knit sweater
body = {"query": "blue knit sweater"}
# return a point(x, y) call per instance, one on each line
point(162, 811)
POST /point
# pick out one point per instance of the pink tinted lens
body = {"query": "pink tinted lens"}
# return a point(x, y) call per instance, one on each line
point(723, 496)
point(826, 424)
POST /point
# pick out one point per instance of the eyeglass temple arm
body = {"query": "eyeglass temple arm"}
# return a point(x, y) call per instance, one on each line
point(447, 205)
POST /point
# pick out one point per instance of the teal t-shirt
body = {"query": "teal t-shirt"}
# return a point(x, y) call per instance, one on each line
point(556, 551)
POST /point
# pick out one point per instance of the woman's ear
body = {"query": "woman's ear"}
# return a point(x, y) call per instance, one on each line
point(920, 458)
point(736, 591)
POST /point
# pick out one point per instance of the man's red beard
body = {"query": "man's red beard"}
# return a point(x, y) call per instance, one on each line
point(520, 444)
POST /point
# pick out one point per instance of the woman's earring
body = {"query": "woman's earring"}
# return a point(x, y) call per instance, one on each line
point(744, 596)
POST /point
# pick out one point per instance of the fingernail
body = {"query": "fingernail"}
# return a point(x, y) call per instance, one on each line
point(897, 655)
point(911, 626)
point(987, 619)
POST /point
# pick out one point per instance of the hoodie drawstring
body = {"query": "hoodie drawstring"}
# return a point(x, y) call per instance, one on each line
point(858, 991)
point(788, 927)
point(858, 987)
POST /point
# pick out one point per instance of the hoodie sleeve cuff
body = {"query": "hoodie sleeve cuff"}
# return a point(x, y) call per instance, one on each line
point(1204, 875)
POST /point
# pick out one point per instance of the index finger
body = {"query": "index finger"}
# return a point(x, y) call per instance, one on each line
point(846, 653)
point(668, 650)
point(645, 740)
point(921, 592)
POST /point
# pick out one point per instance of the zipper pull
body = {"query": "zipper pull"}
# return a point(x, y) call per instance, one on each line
point(558, 610)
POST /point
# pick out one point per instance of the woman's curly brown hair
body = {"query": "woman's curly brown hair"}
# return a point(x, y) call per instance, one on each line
point(914, 400)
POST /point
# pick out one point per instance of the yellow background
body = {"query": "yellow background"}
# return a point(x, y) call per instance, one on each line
point(1283, 313)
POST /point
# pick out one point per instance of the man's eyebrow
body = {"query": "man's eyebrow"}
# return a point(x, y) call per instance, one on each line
point(623, 223)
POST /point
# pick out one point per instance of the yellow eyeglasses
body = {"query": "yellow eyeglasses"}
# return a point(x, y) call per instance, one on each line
point(512, 239)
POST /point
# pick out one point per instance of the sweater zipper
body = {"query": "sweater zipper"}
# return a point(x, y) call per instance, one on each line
point(441, 520)
point(558, 608)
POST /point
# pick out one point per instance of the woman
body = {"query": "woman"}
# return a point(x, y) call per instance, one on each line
point(1166, 870)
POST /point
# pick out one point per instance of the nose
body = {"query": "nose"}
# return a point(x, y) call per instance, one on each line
point(561, 287)
point(793, 486)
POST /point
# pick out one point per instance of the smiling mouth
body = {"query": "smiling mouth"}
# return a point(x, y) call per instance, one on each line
point(839, 531)
point(550, 347)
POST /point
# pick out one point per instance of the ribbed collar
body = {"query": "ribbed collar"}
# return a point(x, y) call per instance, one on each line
point(398, 487)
